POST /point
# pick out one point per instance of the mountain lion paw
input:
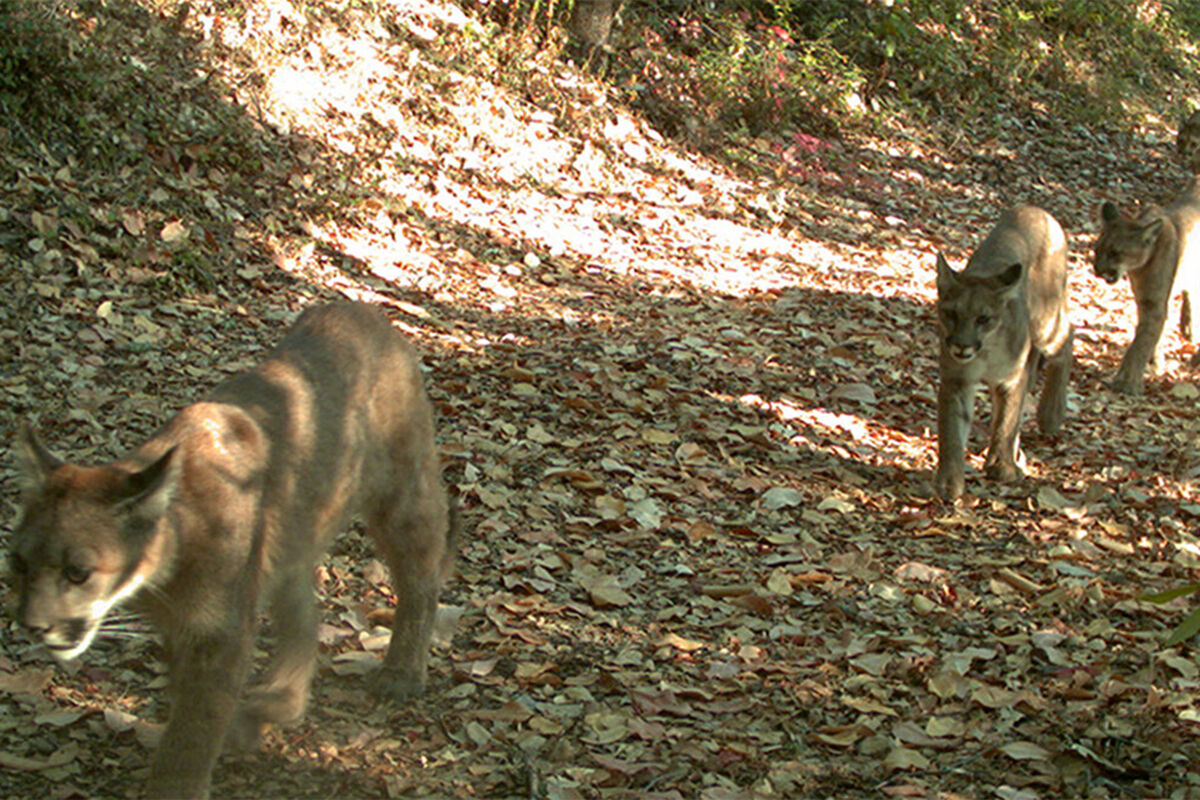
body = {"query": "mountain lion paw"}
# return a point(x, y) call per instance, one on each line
point(1050, 420)
point(949, 485)
point(394, 684)
point(1126, 386)
point(1003, 471)
point(245, 733)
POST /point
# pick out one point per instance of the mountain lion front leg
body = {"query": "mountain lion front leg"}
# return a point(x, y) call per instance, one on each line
point(207, 674)
point(284, 695)
point(1008, 400)
point(1052, 403)
point(955, 406)
point(1152, 316)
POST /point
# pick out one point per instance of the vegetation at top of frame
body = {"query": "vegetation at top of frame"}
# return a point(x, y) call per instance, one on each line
point(813, 64)
point(702, 69)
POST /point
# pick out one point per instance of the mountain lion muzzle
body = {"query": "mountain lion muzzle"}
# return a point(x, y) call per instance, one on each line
point(228, 507)
point(999, 319)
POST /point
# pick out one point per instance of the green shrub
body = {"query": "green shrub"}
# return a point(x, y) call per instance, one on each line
point(1085, 57)
point(1089, 61)
point(761, 78)
point(39, 57)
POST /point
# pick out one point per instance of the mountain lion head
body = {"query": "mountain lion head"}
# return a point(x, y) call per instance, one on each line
point(970, 308)
point(1125, 243)
point(88, 539)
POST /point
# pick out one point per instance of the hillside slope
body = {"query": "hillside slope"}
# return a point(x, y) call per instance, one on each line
point(687, 405)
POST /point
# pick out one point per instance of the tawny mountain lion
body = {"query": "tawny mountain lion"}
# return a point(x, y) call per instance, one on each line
point(1187, 143)
point(228, 506)
point(1000, 318)
point(1159, 250)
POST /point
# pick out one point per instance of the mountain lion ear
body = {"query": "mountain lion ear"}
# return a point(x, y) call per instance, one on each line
point(34, 461)
point(1109, 212)
point(1011, 275)
point(147, 493)
point(1149, 231)
point(945, 276)
point(1008, 281)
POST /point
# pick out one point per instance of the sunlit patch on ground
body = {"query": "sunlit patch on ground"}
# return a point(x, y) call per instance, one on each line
point(688, 412)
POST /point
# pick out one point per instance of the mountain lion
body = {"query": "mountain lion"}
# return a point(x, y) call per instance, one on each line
point(1160, 253)
point(1000, 318)
point(230, 503)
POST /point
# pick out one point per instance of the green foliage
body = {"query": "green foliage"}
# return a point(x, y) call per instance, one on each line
point(537, 20)
point(1089, 61)
point(736, 67)
point(760, 78)
point(1191, 623)
point(1188, 16)
point(41, 57)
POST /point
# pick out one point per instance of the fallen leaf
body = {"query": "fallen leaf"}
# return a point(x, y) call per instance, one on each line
point(904, 758)
point(27, 681)
point(781, 497)
point(1024, 751)
point(173, 231)
point(859, 392)
point(680, 643)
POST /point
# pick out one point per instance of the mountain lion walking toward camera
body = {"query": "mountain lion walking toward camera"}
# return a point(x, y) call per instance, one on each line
point(231, 503)
point(1187, 143)
point(1160, 252)
point(1000, 318)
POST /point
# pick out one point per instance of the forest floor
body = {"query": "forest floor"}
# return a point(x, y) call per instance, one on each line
point(688, 408)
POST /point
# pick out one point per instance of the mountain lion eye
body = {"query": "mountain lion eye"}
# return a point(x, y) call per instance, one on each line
point(983, 319)
point(76, 575)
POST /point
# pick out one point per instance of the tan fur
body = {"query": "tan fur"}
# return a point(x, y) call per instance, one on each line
point(999, 319)
point(229, 505)
point(1160, 252)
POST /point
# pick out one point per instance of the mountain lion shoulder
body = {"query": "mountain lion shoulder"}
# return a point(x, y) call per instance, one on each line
point(999, 319)
point(1159, 249)
point(228, 506)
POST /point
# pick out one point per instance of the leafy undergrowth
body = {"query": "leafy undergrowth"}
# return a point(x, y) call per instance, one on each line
point(688, 410)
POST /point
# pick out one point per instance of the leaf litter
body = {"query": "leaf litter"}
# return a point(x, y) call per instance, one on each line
point(688, 413)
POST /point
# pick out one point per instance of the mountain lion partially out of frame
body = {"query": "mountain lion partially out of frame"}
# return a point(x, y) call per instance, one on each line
point(1000, 318)
point(230, 505)
point(1160, 252)
point(1187, 143)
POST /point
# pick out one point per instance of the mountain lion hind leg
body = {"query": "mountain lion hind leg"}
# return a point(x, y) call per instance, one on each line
point(1052, 403)
point(409, 518)
point(414, 532)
